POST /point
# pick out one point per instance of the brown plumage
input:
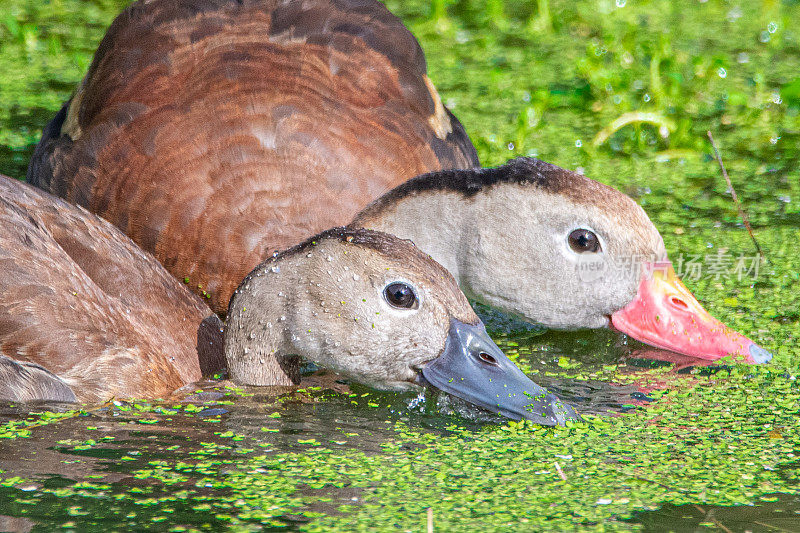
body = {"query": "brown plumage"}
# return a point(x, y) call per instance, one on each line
point(85, 314)
point(213, 132)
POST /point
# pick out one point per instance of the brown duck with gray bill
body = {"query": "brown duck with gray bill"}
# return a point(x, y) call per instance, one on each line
point(373, 307)
point(85, 315)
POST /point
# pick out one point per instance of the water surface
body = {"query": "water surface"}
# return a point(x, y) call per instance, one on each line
point(665, 445)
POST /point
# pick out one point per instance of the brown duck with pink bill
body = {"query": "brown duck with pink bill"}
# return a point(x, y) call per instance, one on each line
point(214, 132)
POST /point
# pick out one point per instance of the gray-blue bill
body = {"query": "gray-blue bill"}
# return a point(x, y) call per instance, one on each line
point(474, 369)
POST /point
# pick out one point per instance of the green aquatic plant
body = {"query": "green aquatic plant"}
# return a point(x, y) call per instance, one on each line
point(725, 439)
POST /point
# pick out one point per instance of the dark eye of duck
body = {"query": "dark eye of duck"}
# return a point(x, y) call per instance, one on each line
point(583, 240)
point(400, 295)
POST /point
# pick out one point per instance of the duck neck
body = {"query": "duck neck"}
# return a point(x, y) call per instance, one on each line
point(258, 346)
point(438, 224)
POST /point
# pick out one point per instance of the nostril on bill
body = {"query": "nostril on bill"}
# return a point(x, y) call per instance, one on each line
point(677, 302)
point(486, 358)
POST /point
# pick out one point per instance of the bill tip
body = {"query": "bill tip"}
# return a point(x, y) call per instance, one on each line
point(759, 354)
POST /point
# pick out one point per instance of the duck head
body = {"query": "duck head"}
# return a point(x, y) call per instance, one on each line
point(374, 308)
point(555, 248)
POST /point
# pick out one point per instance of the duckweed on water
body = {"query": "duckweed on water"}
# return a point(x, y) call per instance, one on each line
point(623, 92)
point(726, 441)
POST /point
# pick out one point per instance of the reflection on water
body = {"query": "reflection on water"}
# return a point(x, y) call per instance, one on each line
point(775, 513)
point(111, 451)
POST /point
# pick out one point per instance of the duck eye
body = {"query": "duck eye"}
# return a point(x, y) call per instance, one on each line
point(400, 295)
point(583, 240)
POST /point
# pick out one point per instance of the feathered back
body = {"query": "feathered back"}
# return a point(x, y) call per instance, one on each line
point(213, 132)
point(80, 299)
